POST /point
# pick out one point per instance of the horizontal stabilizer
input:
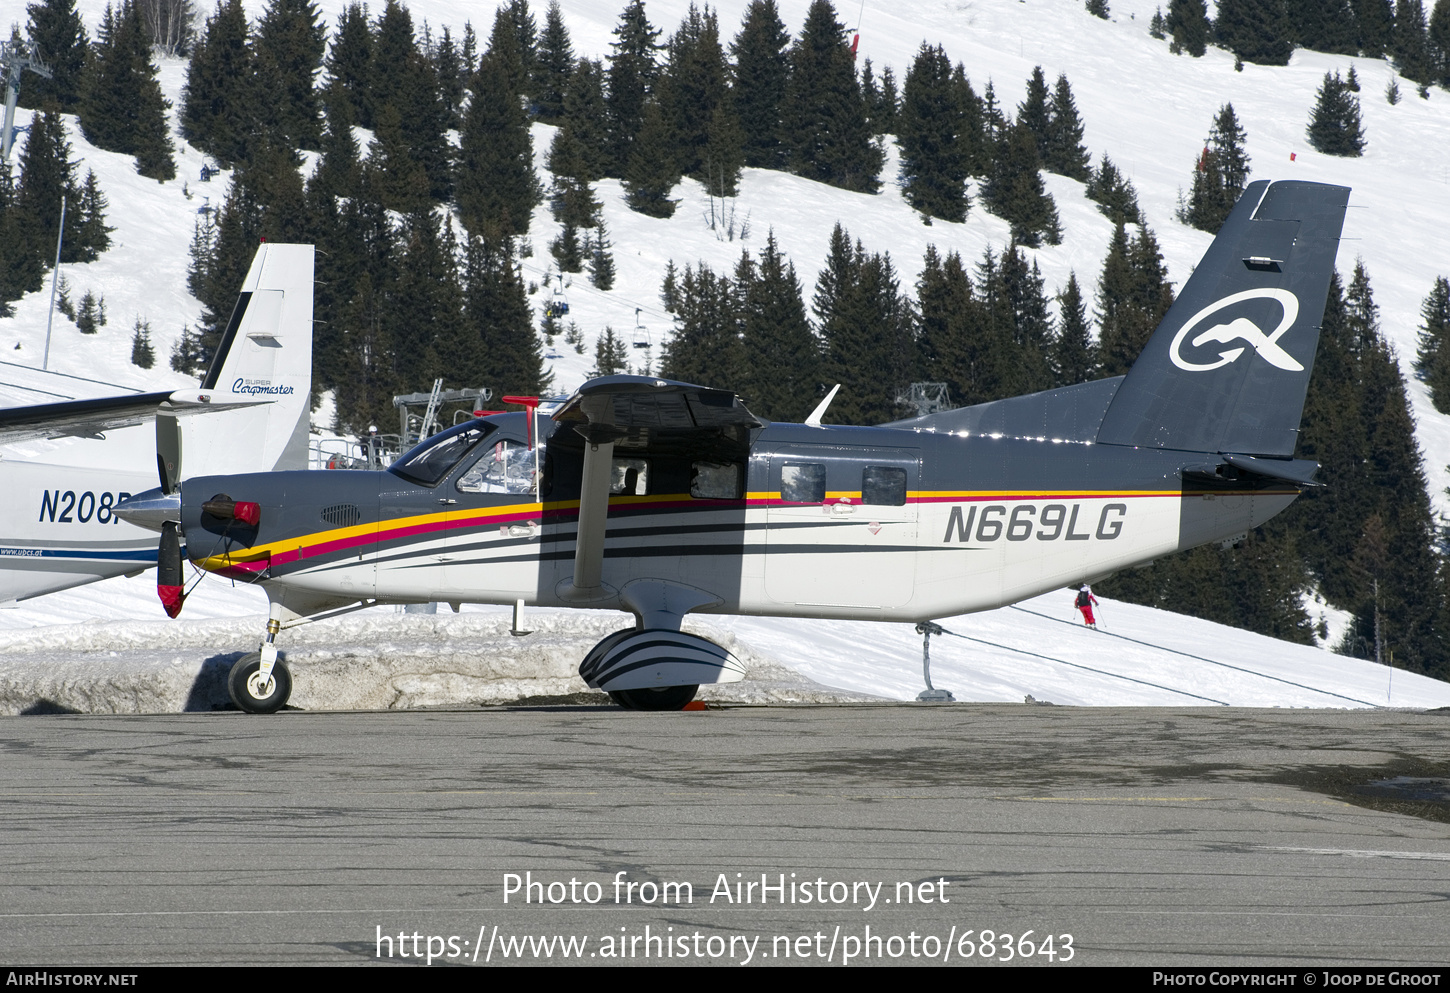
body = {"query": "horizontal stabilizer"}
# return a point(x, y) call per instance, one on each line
point(1228, 368)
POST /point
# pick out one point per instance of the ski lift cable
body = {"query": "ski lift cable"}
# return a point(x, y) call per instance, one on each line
point(1200, 658)
point(547, 275)
point(1074, 665)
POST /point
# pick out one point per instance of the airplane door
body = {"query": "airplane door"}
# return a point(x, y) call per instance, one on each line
point(841, 526)
point(491, 549)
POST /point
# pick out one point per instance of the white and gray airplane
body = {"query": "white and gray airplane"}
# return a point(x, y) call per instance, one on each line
point(72, 454)
point(665, 498)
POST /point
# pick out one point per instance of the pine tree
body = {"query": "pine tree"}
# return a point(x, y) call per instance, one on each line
point(651, 176)
point(46, 175)
point(867, 331)
point(1256, 31)
point(393, 175)
point(1031, 329)
point(497, 188)
point(692, 89)
point(339, 171)
point(1409, 593)
point(1187, 22)
point(122, 109)
point(1017, 194)
point(1376, 21)
point(1133, 296)
point(448, 68)
point(88, 318)
point(949, 348)
point(824, 123)
point(554, 67)
point(1222, 174)
point(1432, 361)
point(430, 338)
point(289, 46)
point(724, 157)
point(56, 29)
point(1098, 8)
point(1411, 43)
point(1032, 112)
point(585, 116)
point(705, 347)
point(1324, 26)
point(403, 76)
point(571, 198)
point(761, 70)
point(601, 259)
point(931, 133)
point(1158, 30)
point(1074, 354)
point(142, 353)
point(218, 103)
point(1063, 151)
point(781, 355)
point(497, 310)
point(349, 61)
point(611, 357)
point(633, 70)
point(1439, 36)
point(1113, 194)
point(1334, 128)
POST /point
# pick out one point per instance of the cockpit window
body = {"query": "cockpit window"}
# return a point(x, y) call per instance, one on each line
point(433, 458)
point(506, 467)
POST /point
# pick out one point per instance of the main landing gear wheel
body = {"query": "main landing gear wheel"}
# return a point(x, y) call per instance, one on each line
point(649, 698)
point(256, 695)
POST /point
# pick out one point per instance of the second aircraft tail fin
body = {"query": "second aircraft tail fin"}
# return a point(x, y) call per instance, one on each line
point(265, 353)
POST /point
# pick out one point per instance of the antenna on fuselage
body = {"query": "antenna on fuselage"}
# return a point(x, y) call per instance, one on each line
point(815, 419)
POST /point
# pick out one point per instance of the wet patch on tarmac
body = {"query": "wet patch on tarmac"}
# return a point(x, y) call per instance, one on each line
point(1413, 786)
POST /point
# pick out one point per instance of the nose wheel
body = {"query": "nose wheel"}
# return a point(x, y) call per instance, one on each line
point(255, 692)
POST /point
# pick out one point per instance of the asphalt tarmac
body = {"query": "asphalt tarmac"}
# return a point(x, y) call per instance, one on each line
point(1203, 836)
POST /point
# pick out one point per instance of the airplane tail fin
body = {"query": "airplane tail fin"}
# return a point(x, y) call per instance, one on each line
point(265, 353)
point(1227, 369)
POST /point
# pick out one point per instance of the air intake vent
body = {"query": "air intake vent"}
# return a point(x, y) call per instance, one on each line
point(342, 515)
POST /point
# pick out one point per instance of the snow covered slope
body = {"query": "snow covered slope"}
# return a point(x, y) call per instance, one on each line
point(1146, 108)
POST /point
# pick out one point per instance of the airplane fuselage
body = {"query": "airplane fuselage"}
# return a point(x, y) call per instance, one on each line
point(844, 522)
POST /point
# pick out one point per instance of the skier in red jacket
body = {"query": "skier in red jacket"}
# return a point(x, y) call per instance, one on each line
point(1085, 601)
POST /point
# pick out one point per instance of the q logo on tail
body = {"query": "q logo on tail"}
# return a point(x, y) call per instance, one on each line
point(1240, 329)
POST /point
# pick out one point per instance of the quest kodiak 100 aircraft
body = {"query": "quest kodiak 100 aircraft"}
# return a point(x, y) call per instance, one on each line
point(663, 498)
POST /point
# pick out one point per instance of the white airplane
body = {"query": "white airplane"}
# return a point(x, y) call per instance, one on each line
point(67, 462)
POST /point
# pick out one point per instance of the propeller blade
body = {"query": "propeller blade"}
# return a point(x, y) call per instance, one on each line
point(169, 582)
point(168, 449)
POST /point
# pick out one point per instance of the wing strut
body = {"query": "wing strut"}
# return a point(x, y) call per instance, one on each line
point(600, 434)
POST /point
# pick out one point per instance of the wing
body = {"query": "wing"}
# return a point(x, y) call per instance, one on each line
point(644, 414)
point(89, 418)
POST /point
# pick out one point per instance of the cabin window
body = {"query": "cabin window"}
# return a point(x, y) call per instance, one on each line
point(883, 486)
point(803, 482)
point(715, 480)
point(508, 467)
point(630, 477)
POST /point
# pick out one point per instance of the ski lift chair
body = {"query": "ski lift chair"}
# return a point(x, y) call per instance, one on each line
point(641, 333)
